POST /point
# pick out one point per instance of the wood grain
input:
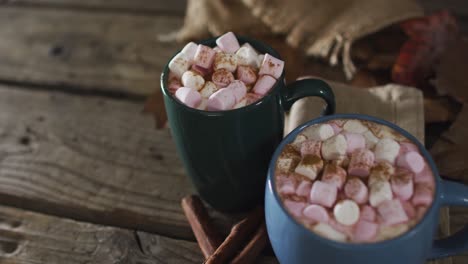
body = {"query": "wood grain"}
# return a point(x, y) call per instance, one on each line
point(84, 50)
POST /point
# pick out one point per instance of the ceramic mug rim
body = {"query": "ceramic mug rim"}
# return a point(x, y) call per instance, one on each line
point(355, 246)
point(211, 42)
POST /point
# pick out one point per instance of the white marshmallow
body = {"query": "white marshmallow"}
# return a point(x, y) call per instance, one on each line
point(189, 51)
point(309, 166)
point(390, 231)
point(179, 64)
point(346, 212)
point(260, 60)
point(297, 143)
point(247, 55)
point(380, 191)
point(355, 126)
point(319, 132)
point(208, 89)
point(334, 148)
point(286, 164)
point(371, 139)
point(329, 232)
point(225, 61)
point(387, 149)
point(192, 80)
point(204, 102)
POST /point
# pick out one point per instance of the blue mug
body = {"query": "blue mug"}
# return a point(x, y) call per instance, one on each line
point(293, 243)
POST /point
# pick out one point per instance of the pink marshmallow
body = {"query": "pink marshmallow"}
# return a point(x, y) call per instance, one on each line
point(423, 195)
point(264, 84)
point(355, 141)
point(271, 66)
point(409, 209)
point(204, 56)
point(287, 185)
point(368, 213)
point(228, 43)
point(188, 96)
point(223, 99)
point(252, 98)
point(304, 188)
point(365, 231)
point(420, 212)
point(222, 78)
point(323, 193)
point(334, 175)
point(412, 161)
point(316, 213)
point(407, 147)
point(337, 129)
point(294, 208)
point(392, 212)
point(425, 176)
point(361, 162)
point(238, 88)
point(311, 147)
point(402, 184)
point(200, 70)
point(246, 74)
point(356, 190)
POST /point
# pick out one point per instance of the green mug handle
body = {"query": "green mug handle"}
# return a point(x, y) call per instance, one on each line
point(309, 87)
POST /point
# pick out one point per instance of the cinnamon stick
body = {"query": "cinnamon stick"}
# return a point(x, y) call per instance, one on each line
point(255, 246)
point(207, 237)
point(236, 238)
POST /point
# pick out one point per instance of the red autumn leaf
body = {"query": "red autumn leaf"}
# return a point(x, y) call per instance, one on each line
point(428, 39)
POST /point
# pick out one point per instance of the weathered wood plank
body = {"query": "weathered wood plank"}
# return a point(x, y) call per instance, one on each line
point(85, 50)
point(144, 6)
point(27, 238)
point(92, 159)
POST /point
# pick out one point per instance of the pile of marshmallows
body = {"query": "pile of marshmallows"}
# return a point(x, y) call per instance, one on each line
point(347, 184)
point(222, 78)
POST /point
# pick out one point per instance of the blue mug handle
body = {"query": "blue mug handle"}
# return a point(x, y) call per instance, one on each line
point(453, 193)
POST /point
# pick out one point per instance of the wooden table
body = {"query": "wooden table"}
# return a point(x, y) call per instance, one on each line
point(84, 176)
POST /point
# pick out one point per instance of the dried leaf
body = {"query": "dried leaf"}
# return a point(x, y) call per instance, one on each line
point(155, 105)
point(428, 39)
point(451, 72)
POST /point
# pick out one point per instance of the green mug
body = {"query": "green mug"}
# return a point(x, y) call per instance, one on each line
point(226, 153)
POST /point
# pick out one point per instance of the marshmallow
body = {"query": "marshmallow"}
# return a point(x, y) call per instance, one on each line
point(208, 89)
point(425, 176)
point(225, 61)
point(203, 104)
point(334, 147)
point(387, 149)
point(316, 213)
point(238, 88)
point(355, 189)
point(407, 147)
point(264, 84)
point(228, 43)
point(188, 96)
point(288, 159)
point(323, 193)
point(179, 64)
point(368, 213)
point(192, 80)
point(381, 172)
point(253, 98)
point(412, 161)
point(200, 70)
point(354, 141)
point(271, 66)
point(391, 231)
point(223, 99)
point(173, 85)
point(420, 212)
point(304, 188)
point(297, 142)
point(294, 208)
point(189, 51)
point(345, 229)
point(204, 56)
point(354, 126)
point(334, 175)
point(241, 103)
point(247, 56)
point(423, 195)
point(409, 209)
point(246, 74)
point(311, 147)
point(379, 192)
point(222, 78)
point(402, 184)
point(365, 231)
point(361, 163)
point(371, 139)
point(309, 166)
point(319, 132)
point(346, 212)
point(286, 185)
point(328, 232)
point(336, 129)
point(391, 212)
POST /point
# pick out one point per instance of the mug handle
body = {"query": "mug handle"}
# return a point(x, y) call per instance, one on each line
point(309, 87)
point(453, 193)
